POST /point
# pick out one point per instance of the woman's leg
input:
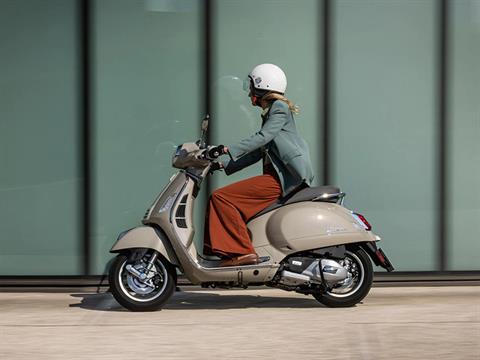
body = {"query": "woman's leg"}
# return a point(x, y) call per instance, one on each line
point(230, 208)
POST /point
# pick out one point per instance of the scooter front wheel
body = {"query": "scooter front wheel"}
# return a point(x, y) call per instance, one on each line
point(139, 288)
point(356, 286)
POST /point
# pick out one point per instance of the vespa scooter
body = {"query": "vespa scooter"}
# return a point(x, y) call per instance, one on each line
point(307, 242)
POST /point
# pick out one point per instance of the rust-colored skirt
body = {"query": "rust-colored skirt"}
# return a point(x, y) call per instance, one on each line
point(229, 210)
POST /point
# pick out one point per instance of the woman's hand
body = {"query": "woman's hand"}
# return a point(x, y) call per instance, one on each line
point(215, 167)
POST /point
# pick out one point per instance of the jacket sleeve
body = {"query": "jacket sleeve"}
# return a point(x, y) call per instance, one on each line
point(277, 118)
point(247, 160)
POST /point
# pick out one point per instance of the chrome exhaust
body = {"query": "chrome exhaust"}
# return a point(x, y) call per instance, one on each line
point(293, 279)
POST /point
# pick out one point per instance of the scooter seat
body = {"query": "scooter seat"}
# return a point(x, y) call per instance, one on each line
point(303, 194)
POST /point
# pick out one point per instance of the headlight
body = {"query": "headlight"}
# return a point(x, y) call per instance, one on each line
point(177, 151)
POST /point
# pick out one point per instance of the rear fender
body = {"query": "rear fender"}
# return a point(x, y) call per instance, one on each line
point(377, 255)
point(145, 237)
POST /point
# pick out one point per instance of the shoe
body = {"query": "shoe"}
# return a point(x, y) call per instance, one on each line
point(249, 259)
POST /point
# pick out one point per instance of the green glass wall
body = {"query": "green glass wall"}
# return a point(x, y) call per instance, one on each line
point(39, 157)
point(146, 101)
point(148, 62)
point(384, 122)
point(464, 136)
point(248, 33)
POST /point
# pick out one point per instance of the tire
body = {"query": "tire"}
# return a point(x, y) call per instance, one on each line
point(349, 297)
point(132, 293)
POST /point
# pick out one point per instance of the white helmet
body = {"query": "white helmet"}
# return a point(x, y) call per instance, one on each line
point(267, 77)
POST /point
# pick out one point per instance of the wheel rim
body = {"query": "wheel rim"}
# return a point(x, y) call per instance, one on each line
point(356, 276)
point(144, 291)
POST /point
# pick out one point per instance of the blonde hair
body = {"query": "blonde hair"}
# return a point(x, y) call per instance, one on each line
point(272, 96)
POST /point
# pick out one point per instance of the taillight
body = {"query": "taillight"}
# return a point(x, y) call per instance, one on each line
point(363, 221)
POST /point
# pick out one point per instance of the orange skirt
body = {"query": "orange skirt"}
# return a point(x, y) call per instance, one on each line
point(229, 210)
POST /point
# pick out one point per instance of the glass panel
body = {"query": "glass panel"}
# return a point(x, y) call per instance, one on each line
point(248, 33)
point(39, 177)
point(464, 132)
point(384, 122)
point(147, 100)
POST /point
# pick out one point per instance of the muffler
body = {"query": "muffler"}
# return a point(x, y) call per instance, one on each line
point(293, 279)
point(325, 270)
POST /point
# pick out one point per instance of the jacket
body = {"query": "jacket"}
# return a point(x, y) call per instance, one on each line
point(279, 140)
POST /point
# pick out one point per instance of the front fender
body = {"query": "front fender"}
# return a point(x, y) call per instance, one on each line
point(145, 237)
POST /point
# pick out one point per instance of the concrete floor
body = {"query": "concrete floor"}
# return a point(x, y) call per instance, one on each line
point(391, 323)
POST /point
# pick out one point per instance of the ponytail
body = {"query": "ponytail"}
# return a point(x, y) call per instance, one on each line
point(272, 96)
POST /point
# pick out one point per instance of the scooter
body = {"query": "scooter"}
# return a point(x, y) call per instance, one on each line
point(307, 242)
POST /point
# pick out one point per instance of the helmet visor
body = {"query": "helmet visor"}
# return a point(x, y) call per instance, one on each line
point(246, 84)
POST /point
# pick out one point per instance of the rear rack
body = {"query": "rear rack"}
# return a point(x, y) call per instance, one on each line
point(326, 196)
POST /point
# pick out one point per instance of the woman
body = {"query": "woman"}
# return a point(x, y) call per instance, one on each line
point(286, 165)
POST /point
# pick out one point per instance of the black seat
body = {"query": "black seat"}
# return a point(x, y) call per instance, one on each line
point(303, 193)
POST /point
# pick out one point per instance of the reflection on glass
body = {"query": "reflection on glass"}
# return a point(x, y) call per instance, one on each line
point(39, 170)
point(384, 109)
point(244, 39)
point(464, 132)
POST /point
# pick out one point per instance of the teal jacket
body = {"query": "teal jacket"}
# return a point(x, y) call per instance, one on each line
point(279, 140)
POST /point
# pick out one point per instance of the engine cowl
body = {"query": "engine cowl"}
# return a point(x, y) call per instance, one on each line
point(332, 271)
point(312, 225)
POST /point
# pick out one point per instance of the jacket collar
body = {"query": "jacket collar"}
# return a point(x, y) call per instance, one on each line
point(265, 113)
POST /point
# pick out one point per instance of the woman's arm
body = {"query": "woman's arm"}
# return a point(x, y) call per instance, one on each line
point(277, 118)
point(247, 160)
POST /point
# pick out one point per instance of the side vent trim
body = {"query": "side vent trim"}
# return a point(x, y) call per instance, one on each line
point(180, 213)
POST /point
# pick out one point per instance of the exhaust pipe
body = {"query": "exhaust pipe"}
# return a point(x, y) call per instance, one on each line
point(293, 279)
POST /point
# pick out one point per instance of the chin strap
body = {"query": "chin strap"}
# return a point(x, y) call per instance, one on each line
point(255, 101)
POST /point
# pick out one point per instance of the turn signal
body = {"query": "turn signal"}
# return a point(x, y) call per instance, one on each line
point(367, 225)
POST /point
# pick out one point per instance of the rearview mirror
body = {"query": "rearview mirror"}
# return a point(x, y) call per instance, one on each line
point(205, 123)
point(204, 128)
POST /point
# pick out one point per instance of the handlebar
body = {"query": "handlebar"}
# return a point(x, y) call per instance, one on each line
point(216, 151)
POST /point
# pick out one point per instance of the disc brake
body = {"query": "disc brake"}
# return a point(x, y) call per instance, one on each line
point(143, 277)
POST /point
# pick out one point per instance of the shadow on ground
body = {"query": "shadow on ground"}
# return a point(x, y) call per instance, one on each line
point(200, 301)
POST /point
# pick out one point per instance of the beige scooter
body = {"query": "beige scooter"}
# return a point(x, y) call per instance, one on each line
point(308, 242)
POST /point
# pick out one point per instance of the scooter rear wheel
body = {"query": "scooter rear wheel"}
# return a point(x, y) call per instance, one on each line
point(359, 266)
point(135, 294)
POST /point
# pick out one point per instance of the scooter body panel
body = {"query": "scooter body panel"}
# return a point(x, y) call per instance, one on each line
point(307, 225)
point(148, 238)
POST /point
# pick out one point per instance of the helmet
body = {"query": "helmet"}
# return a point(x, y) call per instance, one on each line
point(265, 78)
